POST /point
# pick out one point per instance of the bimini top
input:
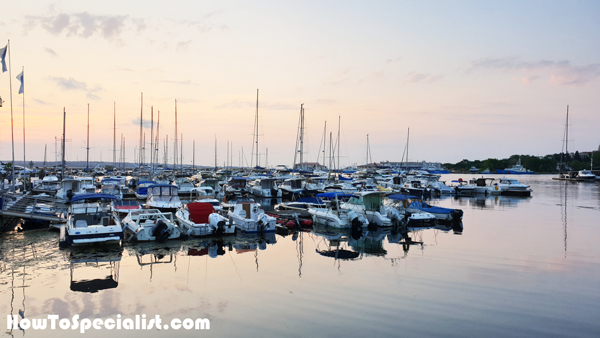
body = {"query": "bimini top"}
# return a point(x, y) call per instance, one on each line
point(400, 197)
point(331, 195)
point(146, 182)
point(92, 197)
point(162, 185)
point(239, 178)
point(108, 180)
point(312, 200)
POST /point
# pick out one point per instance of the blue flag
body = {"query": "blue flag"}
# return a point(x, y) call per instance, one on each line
point(2, 57)
point(20, 78)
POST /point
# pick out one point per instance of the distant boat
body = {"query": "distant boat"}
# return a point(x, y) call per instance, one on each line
point(473, 170)
point(518, 169)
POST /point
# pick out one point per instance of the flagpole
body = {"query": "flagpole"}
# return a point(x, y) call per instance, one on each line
point(11, 117)
point(23, 84)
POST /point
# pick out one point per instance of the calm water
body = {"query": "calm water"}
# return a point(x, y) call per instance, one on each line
point(522, 267)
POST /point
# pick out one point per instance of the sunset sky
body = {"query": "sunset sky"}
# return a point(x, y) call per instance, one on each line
point(471, 79)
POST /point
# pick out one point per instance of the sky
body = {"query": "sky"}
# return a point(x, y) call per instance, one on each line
point(471, 79)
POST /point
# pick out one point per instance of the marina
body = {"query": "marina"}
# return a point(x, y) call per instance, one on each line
point(437, 269)
point(299, 169)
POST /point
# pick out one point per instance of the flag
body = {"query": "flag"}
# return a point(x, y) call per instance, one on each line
point(20, 78)
point(3, 57)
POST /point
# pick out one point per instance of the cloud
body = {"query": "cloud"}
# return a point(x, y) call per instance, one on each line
point(50, 51)
point(414, 77)
point(558, 72)
point(394, 60)
point(183, 46)
point(72, 84)
point(38, 101)
point(84, 24)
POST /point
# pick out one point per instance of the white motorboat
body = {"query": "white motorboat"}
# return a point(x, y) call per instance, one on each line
point(144, 225)
point(586, 175)
point(265, 187)
point(247, 216)
point(481, 186)
point(184, 185)
point(414, 217)
point(370, 204)
point(201, 219)
point(112, 188)
point(463, 188)
point(512, 187)
point(87, 184)
point(91, 220)
point(334, 215)
point(69, 187)
point(164, 197)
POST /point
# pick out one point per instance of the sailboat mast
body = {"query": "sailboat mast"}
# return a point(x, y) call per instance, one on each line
point(87, 158)
point(157, 136)
point(175, 146)
point(215, 152)
point(301, 134)
point(141, 136)
point(181, 154)
point(114, 134)
point(338, 145)
point(407, 139)
point(45, 148)
point(63, 143)
point(152, 137)
point(257, 152)
point(194, 155)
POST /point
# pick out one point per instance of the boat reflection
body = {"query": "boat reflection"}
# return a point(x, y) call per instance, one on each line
point(267, 204)
point(84, 265)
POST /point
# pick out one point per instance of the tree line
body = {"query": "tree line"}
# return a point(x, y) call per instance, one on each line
point(546, 164)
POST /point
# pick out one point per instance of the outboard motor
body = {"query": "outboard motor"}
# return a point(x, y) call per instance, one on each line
point(220, 227)
point(274, 192)
point(263, 223)
point(161, 231)
point(70, 194)
point(354, 219)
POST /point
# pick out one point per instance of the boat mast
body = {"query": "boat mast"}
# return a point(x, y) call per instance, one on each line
point(63, 144)
point(175, 146)
point(114, 134)
point(215, 152)
point(338, 145)
point(181, 154)
point(45, 148)
point(157, 136)
point(301, 134)
point(194, 155)
point(141, 136)
point(152, 138)
point(87, 161)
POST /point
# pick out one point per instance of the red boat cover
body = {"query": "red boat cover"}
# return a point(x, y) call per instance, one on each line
point(200, 211)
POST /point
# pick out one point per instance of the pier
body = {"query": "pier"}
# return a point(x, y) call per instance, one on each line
point(41, 208)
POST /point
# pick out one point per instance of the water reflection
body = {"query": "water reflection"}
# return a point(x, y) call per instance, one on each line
point(94, 263)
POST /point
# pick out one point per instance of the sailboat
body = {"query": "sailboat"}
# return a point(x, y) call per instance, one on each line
point(565, 176)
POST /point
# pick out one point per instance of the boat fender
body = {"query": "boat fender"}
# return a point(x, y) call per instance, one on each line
point(496, 187)
point(220, 227)
point(161, 231)
point(306, 223)
point(290, 225)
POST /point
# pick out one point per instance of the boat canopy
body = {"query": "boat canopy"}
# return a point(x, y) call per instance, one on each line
point(331, 195)
point(92, 197)
point(312, 200)
point(401, 197)
point(145, 182)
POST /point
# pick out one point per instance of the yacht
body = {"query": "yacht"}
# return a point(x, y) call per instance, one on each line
point(91, 220)
point(413, 216)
